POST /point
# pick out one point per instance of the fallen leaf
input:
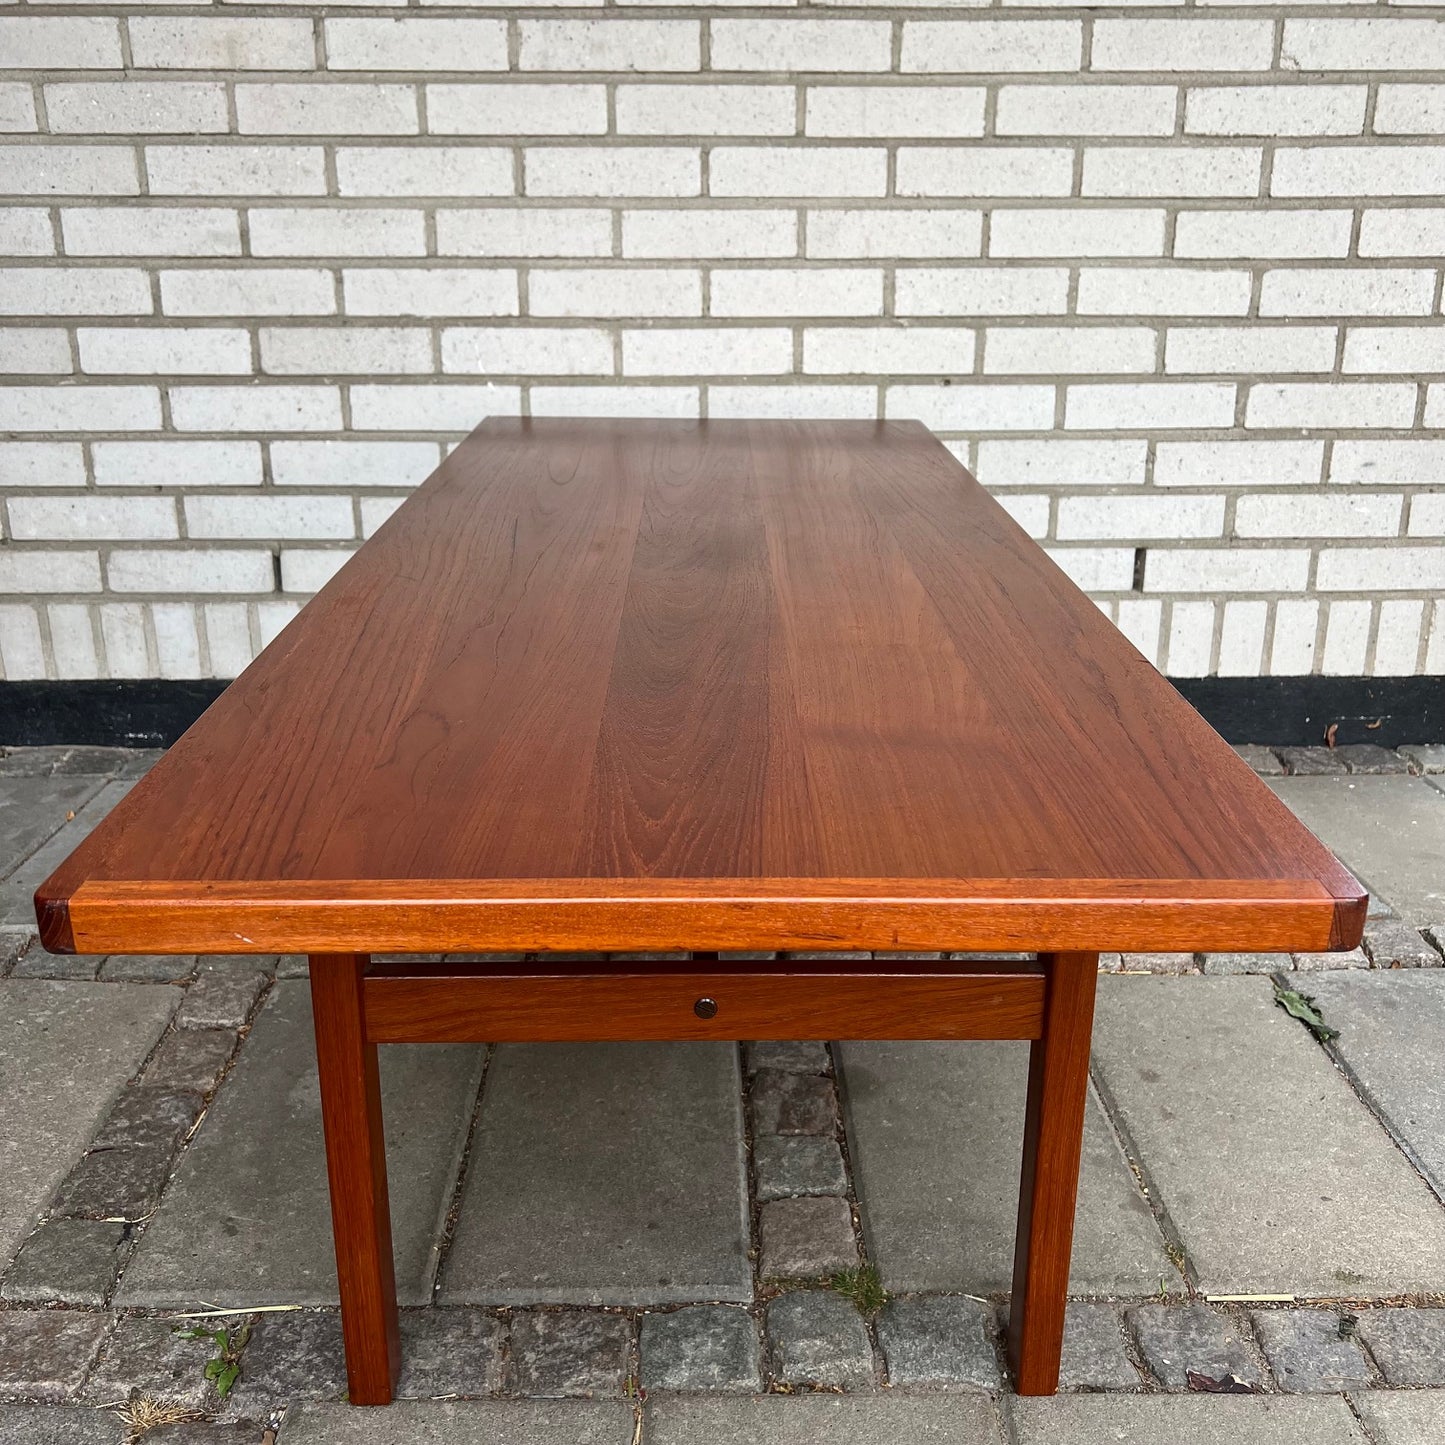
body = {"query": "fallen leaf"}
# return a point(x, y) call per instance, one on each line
point(1302, 1006)
point(1330, 734)
point(1224, 1385)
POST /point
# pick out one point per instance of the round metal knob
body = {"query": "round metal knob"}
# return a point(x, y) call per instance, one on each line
point(705, 1008)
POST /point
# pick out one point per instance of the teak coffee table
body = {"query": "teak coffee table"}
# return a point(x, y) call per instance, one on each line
point(743, 686)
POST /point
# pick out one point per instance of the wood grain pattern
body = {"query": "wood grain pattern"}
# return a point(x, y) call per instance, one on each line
point(649, 652)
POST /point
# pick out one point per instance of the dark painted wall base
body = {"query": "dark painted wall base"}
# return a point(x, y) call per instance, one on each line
point(150, 713)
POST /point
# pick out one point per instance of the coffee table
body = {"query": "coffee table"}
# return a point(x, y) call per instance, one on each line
point(719, 688)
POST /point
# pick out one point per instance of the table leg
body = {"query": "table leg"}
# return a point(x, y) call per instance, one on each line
point(1048, 1189)
point(356, 1165)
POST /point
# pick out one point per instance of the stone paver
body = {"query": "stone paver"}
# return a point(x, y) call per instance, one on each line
point(66, 1261)
point(1415, 1417)
point(1408, 1344)
point(450, 1352)
point(191, 1059)
point(792, 1103)
point(476, 1422)
point(1184, 1420)
point(37, 1425)
point(818, 1338)
point(44, 1354)
point(822, 1420)
point(700, 1347)
point(803, 1238)
point(605, 1174)
point(1390, 944)
point(1313, 762)
point(789, 1165)
point(293, 1356)
point(33, 809)
point(247, 1218)
point(1095, 1356)
point(1311, 1350)
point(939, 1341)
point(1392, 1042)
point(1426, 757)
point(1225, 963)
point(155, 1357)
point(1261, 759)
point(65, 1051)
point(936, 1132)
point(224, 993)
point(1390, 831)
point(1179, 1340)
point(1276, 1176)
point(788, 1056)
point(558, 1353)
point(148, 967)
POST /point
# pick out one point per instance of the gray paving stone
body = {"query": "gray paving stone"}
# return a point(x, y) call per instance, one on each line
point(1392, 1026)
point(1390, 944)
point(223, 995)
point(787, 1056)
point(114, 1183)
point(259, 1158)
point(1177, 1340)
point(786, 1103)
point(38, 964)
point(1216, 964)
point(66, 1049)
point(700, 1347)
point(44, 1354)
point(1425, 757)
point(290, 1357)
point(48, 1425)
point(1408, 1344)
point(450, 1352)
point(818, 1338)
point(293, 965)
point(1261, 759)
point(805, 1238)
point(1369, 760)
point(1313, 762)
point(1326, 962)
point(15, 943)
point(1277, 1178)
point(154, 1357)
point(557, 1353)
point(605, 1174)
point(823, 1420)
point(204, 1432)
point(1308, 1352)
point(937, 1341)
point(1160, 963)
point(790, 1165)
point(191, 1059)
point(1095, 1356)
point(1403, 1417)
point(34, 809)
point(149, 967)
point(472, 1422)
point(149, 1116)
point(1183, 1420)
point(1389, 831)
point(66, 1261)
point(935, 1133)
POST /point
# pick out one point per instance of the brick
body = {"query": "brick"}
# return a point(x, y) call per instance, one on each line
point(998, 407)
point(428, 408)
point(174, 42)
point(271, 617)
point(1347, 640)
point(267, 517)
point(410, 291)
point(1364, 44)
point(1311, 1350)
point(25, 231)
point(432, 43)
point(353, 464)
point(1330, 404)
point(1162, 291)
point(170, 107)
point(17, 107)
point(504, 231)
point(79, 408)
point(794, 401)
point(785, 291)
point(1406, 231)
point(1059, 462)
point(72, 640)
point(1076, 110)
point(887, 351)
point(39, 571)
point(1149, 405)
point(608, 401)
point(1223, 569)
point(803, 45)
point(884, 234)
point(1410, 110)
point(1388, 463)
point(1076, 231)
point(939, 1341)
point(236, 170)
point(1179, 45)
point(947, 111)
point(649, 291)
point(519, 351)
point(806, 1238)
point(1350, 291)
point(991, 46)
point(163, 350)
point(149, 464)
point(151, 231)
point(1095, 518)
point(710, 234)
point(1178, 1339)
point(981, 291)
point(41, 464)
point(1427, 515)
point(1381, 569)
point(610, 44)
point(612, 171)
point(262, 291)
point(375, 511)
point(706, 110)
point(1055, 350)
point(34, 350)
point(82, 42)
point(189, 570)
point(1253, 233)
point(339, 230)
point(985, 171)
point(95, 291)
point(68, 170)
point(1404, 349)
point(435, 171)
point(1141, 621)
point(178, 639)
point(1241, 638)
point(22, 653)
point(1275, 110)
point(330, 109)
point(700, 1347)
point(714, 351)
point(357, 350)
point(1172, 171)
point(1397, 644)
point(1388, 170)
point(1287, 515)
point(1296, 628)
point(517, 109)
point(87, 518)
point(255, 408)
point(1256, 349)
point(123, 633)
point(798, 171)
point(310, 570)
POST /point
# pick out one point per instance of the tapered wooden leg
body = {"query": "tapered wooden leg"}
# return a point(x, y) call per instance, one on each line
point(1049, 1187)
point(356, 1165)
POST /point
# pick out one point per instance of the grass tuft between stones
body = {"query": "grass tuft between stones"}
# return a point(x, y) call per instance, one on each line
point(862, 1286)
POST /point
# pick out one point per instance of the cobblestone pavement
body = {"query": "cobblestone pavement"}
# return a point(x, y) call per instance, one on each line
point(668, 1243)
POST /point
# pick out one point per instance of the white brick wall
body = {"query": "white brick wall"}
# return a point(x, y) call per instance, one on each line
point(1168, 281)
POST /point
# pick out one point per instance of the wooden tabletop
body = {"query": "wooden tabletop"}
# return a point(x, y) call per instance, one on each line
point(730, 684)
